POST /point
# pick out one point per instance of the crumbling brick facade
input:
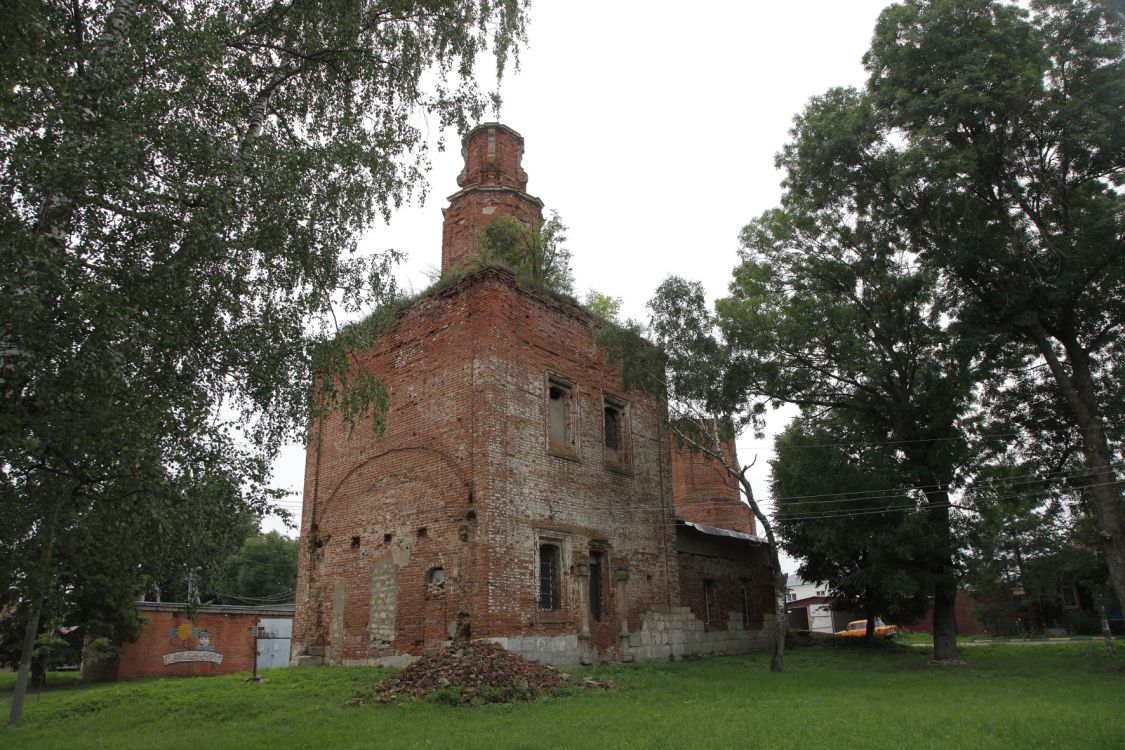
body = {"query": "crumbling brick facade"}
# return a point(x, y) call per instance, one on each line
point(493, 184)
point(517, 494)
point(705, 492)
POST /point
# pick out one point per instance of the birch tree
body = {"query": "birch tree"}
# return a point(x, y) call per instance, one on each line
point(182, 185)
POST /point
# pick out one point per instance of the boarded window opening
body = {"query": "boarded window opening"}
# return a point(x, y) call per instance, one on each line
point(561, 416)
point(549, 577)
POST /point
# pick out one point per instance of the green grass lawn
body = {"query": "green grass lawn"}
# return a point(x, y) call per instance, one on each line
point(908, 637)
point(1005, 697)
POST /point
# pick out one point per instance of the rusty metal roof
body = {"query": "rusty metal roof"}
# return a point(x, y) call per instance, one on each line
point(715, 531)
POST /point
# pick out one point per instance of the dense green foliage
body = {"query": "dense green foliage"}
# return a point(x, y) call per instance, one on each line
point(942, 230)
point(183, 185)
point(1005, 697)
point(1007, 128)
point(830, 310)
point(537, 255)
point(1028, 542)
point(263, 571)
point(605, 307)
point(867, 545)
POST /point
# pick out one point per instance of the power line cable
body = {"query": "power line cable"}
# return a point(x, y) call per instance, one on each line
point(841, 513)
point(1108, 428)
point(890, 493)
point(277, 599)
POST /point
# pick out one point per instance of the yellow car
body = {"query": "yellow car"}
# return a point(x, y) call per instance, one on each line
point(858, 629)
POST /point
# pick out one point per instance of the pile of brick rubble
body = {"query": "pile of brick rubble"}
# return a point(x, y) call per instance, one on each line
point(469, 672)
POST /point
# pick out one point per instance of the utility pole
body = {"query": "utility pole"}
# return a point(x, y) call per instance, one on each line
point(255, 633)
point(192, 588)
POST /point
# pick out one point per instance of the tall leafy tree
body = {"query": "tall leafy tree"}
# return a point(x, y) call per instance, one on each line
point(829, 310)
point(1017, 537)
point(264, 571)
point(1035, 526)
point(1013, 152)
point(181, 188)
point(867, 543)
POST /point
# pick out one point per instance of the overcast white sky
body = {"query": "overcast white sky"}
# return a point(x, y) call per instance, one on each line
point(651, 128)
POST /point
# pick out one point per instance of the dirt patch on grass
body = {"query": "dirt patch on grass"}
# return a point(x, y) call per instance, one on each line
point(468, 673)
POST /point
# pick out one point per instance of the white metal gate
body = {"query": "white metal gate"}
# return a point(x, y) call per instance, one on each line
point(273, 646)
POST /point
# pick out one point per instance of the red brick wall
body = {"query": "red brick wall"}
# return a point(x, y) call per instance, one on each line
point(367, 499)
point(728, 565)
point(229, 638)
point(465, 456)
point(582, 500)
point(464, 478)
point(706, 493)
point(966, 620)
point(493, 156)
point(493, 184)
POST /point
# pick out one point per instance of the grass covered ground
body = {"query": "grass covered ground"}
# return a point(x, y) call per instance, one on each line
point(1005, 696)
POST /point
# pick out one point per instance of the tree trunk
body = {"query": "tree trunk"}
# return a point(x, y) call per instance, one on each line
point(869, 612)
point(945, 588)
point(945, 621)
point(780, 614)
point(780, 584)
point(1107, 634)
point(32, 629)
point(1077, 388)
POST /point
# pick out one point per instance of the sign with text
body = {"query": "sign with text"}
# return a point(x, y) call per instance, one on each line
point(181, 657)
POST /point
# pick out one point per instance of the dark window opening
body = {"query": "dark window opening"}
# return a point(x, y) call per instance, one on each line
point(613, 428)
point(615, 421)
point(709, 609)
point(422, 531)
point(1070, 597)
point(596, 586)
point(549, 577)
point(355, 542)
point(387, 538)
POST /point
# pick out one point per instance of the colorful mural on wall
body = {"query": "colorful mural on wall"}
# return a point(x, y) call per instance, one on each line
point(196, 644)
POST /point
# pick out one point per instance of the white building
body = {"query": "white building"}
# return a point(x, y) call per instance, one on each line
point(810, 608)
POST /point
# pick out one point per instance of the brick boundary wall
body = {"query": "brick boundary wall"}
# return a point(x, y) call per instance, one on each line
point(217, 641)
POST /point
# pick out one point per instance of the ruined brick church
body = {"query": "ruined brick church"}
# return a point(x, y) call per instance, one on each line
point(518, 494)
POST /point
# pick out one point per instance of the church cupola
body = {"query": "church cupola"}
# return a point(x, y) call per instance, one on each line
point(493, 184)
